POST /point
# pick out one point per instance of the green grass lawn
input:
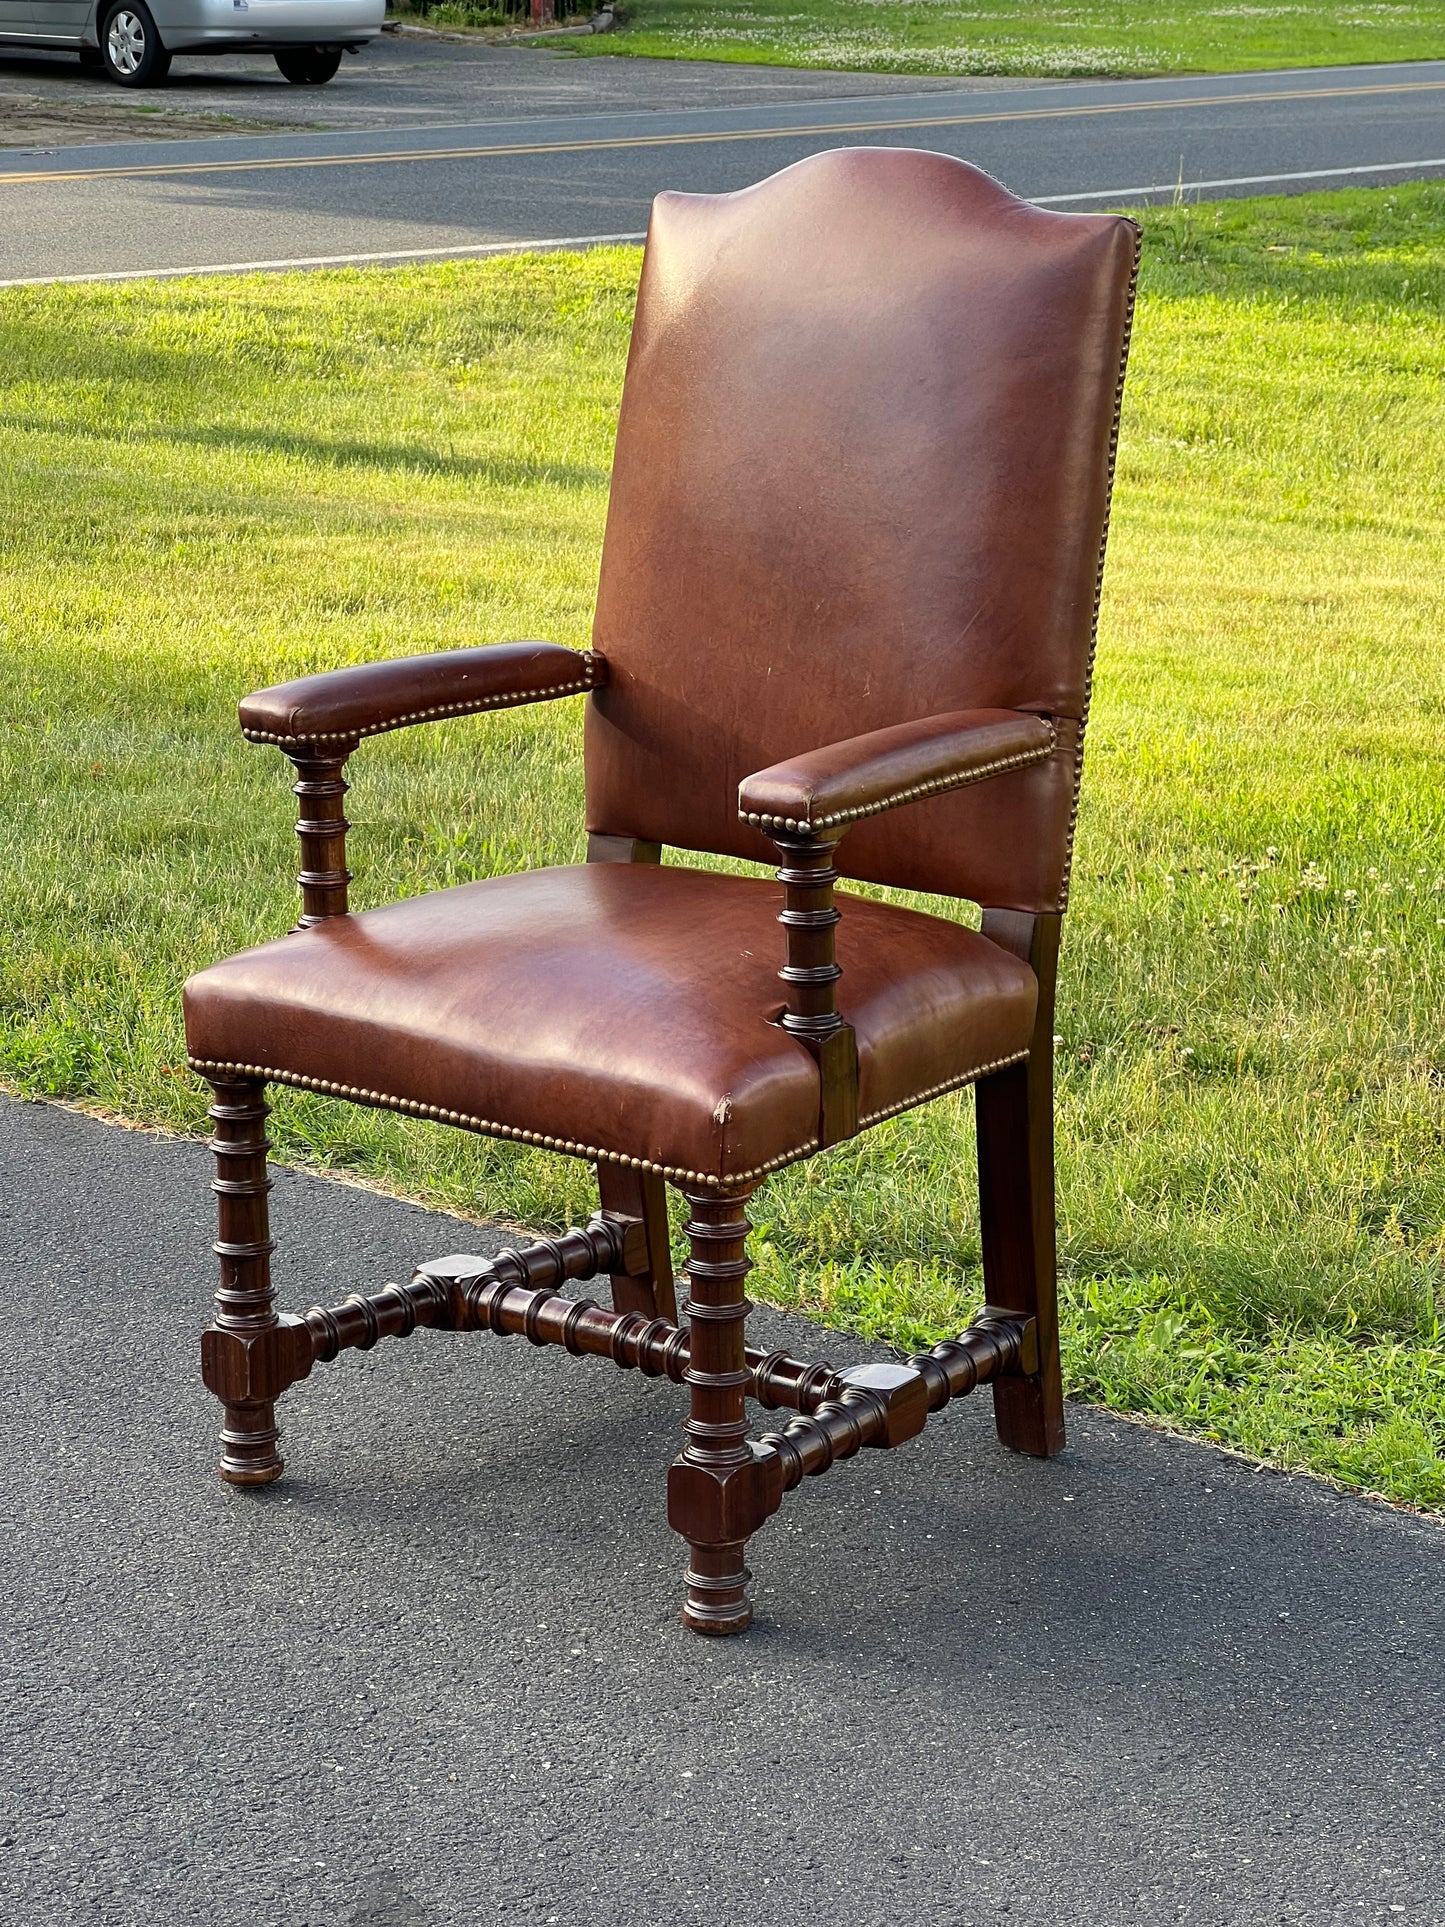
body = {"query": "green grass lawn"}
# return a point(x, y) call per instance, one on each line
point(1022, 37)
point(209, 485)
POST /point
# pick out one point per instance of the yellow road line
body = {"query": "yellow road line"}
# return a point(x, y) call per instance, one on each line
point(703, 139)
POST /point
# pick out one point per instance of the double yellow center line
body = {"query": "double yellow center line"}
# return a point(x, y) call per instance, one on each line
point(391, 157)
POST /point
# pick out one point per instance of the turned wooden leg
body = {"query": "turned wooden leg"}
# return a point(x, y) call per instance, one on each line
point(721, 1488)
point(1016, 1200)
point(249, 1356)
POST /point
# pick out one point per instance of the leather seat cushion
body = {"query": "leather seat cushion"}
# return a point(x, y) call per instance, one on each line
point(615, 1010)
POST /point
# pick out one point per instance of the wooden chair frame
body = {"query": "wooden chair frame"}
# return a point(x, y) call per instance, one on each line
point(722, 1486)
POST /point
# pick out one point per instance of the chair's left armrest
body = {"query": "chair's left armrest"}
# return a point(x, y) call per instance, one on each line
point(342, 705)
point(822, 792)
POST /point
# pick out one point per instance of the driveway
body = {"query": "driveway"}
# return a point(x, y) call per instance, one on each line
point(434, 1676)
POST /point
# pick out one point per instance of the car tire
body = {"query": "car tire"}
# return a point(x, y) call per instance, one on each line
point(130, 48)
point(309, 66)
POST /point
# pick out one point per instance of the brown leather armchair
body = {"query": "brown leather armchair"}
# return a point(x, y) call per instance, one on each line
point(846, 613)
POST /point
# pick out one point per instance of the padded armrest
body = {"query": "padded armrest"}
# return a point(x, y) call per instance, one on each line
point(829, 788)
point(371, 697)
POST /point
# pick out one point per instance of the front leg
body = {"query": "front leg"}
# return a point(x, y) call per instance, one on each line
point(721, 1488)
point(249, 1356)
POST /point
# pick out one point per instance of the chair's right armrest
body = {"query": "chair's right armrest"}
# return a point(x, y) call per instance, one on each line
point(318, 720)
point(368, 698)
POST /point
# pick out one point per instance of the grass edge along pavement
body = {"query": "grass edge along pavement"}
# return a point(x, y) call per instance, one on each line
point(1107, 38)
point(212, 484)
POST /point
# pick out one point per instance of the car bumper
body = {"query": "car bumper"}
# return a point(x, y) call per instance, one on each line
point(216, 26)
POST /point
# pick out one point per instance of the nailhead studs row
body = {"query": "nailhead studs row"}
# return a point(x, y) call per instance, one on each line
point(596, 673)
point(954, 782)
point(209, 1066)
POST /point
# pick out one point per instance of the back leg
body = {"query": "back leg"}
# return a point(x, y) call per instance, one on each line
point(1015, 1112)
point(626, 1193)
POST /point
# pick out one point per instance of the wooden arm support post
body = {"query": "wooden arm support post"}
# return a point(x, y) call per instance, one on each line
point(320, 789)
point(811, 971)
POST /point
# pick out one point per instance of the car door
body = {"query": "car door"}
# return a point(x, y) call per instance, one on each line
point(19, 17)
point(66, 17)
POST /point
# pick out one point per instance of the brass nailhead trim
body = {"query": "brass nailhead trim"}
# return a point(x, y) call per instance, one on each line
point(951, 782)
point(937, 1090)
point(1099, 571)
point(596, 674)
point(205, 1065)
point(487, 1128)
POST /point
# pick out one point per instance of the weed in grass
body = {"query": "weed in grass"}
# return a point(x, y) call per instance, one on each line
point(211, 485)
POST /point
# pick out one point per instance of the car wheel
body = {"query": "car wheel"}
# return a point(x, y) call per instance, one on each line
point(309, 66)
point(130, 48)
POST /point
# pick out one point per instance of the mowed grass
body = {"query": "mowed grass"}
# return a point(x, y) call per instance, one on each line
point(1021, 37)
point(214, 484)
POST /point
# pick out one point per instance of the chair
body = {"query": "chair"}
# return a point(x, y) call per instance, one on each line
point(846, 617)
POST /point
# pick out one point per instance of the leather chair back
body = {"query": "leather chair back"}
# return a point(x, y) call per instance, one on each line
point(862, 476)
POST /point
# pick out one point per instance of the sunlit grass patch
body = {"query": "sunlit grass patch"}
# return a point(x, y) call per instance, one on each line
point(1028, 41)
point(210, 485)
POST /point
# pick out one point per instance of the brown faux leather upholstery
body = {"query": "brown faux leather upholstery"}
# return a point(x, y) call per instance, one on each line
point(832, 787)
point(862, 477)
point(613, 1010)
point(370, 697)
point(851, 565)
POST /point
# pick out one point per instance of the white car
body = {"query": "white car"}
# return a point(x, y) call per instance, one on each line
point(133, 40)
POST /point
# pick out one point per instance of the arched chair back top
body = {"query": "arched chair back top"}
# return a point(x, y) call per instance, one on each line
point(862, 477)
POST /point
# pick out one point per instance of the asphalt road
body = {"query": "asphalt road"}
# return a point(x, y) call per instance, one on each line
point(434, 1676)
point(445, 185)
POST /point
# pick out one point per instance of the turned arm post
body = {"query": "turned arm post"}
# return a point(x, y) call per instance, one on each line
point(811, 972)
point(321, 825)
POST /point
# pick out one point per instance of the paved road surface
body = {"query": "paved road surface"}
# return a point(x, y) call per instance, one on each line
point(433, 1678)
point(410, 82)
point(446, 185)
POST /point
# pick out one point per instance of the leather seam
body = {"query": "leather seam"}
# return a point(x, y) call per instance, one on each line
point(1064, 880)
point(917, 790)
point(471, 706)
point(486, 1127)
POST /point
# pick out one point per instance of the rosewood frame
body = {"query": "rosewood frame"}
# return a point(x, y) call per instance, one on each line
point(723, 1485)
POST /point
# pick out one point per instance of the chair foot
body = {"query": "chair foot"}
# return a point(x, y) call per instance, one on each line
point(249, 1438)
point(717, 1598)
point(1029, 1414)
